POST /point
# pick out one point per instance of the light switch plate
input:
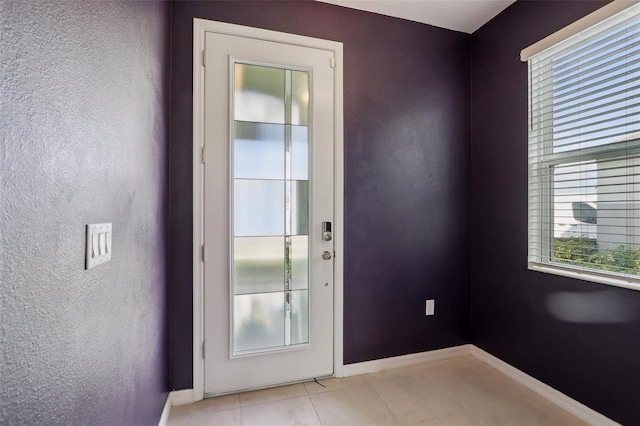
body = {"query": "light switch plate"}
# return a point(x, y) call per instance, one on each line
point(98, 244)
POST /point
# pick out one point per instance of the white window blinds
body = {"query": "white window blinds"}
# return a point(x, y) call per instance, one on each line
point(584, 151)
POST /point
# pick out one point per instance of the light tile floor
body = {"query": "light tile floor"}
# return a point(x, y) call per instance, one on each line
point(454, 392)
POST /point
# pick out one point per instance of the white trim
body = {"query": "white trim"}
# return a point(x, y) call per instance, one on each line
point(164, 417)
point(404, 360)
point(181, 397)
point(200, 26)
point(570, 30)
point(576, 408)
point(198, 205)
point(586, 275)
point(262, 34)
point(338, 216)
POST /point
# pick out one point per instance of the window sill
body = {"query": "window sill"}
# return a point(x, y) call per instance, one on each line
point(587, 275)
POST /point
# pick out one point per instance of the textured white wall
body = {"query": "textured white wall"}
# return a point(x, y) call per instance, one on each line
point(83, 128)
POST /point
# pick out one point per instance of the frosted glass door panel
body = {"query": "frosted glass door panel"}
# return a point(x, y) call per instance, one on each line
point(258, 151)
point(258, 321)
point(299, 207)
point(259, 94)
point(299, 317)
point(299, 97)
point(271, 208)
point(258, 264)
point(258, 207)
point(299, 153)
point(299, 262)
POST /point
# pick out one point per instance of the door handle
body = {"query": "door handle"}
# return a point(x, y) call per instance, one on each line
point(326, 255)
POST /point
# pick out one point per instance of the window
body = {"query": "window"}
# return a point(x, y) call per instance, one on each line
point(584, 153)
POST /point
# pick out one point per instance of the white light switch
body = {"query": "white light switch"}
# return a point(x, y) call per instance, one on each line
point(108, 242)
point(98, 244)
point(101, 238)
point(95, 250)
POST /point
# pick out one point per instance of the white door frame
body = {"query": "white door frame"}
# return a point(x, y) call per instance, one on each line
point(200, 27)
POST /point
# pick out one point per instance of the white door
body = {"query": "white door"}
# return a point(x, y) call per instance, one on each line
point(268, 189)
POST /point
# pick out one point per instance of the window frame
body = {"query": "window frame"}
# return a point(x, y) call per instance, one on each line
point(541, 210)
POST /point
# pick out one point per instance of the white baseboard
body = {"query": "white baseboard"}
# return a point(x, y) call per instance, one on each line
point(182, 397)
point(165, 411)
point(403, 360)
point(563, 401)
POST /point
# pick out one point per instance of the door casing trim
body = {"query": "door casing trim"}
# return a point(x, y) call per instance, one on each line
point(200, 27)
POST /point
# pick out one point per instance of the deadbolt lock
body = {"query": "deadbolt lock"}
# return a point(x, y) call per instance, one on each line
point(326, 231)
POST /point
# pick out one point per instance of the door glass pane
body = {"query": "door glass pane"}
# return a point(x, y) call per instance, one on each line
point(258, 207)
point(298, 207)
point(299, 97)
point(258, 264)
point(270, 258)
point(258, 151)
point(258, 321)
point(299, 262)
point(259, 94)
point(299, 153)
point(299, 317)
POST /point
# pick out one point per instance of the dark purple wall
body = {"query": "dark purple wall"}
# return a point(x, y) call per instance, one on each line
point(407, 123)
point(84, 134)
point(597, 363)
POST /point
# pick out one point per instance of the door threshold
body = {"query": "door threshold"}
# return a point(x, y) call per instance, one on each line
point(275, 385)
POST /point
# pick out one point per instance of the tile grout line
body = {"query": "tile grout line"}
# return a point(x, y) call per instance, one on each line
point(315, 409)
point(472, 412)
point(312, 404)
point(425, 376)
point(383, 401)
point(307, 395)
point(455, 399)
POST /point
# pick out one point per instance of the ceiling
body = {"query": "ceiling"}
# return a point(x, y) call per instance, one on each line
point(459, 15)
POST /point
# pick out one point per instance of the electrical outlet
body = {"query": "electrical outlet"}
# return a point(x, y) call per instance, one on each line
point(430, 308)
